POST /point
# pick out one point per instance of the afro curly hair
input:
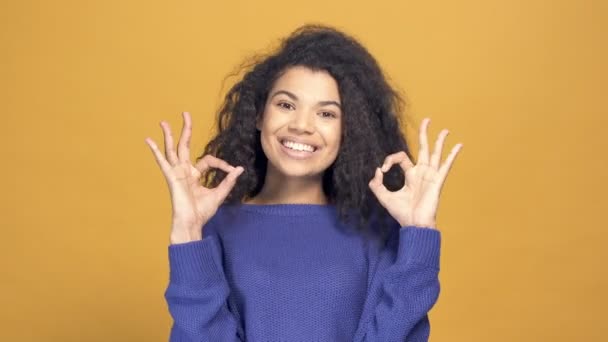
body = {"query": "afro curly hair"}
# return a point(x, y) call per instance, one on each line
point(372, 123)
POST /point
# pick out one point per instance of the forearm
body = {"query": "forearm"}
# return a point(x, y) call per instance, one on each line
point(403, 292)
point(197, 293)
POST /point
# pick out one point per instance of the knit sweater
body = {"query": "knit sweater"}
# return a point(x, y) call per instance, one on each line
point(294, 272)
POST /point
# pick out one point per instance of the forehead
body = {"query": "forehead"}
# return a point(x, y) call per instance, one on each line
point(308, 84)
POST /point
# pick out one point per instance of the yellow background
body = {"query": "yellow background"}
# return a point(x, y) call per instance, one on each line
point(85, 211)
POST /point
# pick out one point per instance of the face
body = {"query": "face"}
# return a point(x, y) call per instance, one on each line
point(302, 123)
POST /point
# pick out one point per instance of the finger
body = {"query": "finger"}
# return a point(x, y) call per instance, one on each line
point(228, 183)
point(436, 156)
point(406, 163)
point(196, 174)
point(211, 161)
point(169, 150)
point(447, 164)
point(160, 159)
point(377, 186)
point(423, 152)
point(201, 165)
point(183, 147)
point(400, 157)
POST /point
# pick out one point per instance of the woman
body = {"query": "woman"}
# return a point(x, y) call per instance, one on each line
point(302, 229)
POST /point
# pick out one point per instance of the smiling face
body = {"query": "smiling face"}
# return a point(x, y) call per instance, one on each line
point(302, 123)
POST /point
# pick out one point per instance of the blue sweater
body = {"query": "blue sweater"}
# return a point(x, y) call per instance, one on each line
point(291, 272)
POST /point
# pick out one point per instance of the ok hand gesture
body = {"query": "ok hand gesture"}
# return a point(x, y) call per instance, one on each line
point(416, 203)
point(193, 204)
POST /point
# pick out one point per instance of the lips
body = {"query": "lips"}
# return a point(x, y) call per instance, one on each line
point(295, 154)
point(298, 147)
point(299, 141)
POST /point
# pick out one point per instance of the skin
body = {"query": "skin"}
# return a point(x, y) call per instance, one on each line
point(292, 181)
point(193, 204)
point(304, 104)
point(416, 203)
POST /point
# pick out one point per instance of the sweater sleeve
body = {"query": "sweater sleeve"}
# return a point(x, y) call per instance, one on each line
point(197, 293)
point(403, 288)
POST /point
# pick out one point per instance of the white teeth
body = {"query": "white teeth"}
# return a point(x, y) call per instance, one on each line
point(298, 146)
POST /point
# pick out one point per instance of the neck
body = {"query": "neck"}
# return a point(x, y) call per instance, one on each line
point(281, 189)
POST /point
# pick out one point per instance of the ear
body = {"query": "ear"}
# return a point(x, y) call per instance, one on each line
point(258, 123)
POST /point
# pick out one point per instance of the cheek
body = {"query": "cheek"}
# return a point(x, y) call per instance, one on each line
point(269, 126)
point(333, 136)
point(273, 121)
point(266, 140)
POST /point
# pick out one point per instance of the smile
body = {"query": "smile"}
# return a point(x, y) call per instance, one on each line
point(297, 146)
point(297, 150)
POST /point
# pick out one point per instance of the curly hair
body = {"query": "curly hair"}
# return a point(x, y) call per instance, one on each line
point(371, 123)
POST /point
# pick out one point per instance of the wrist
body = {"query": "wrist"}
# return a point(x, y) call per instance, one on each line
point(421, 224)
point(182, 235)
point(423, 220)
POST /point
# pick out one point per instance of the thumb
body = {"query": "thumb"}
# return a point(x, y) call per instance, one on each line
point(377, 187)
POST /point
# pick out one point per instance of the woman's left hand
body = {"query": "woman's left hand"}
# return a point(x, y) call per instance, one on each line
point(416, 203)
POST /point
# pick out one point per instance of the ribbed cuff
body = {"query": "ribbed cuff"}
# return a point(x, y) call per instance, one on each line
point(195, 261)
point(419, 245)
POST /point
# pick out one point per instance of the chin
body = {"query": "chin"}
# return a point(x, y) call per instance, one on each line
point(298, 171)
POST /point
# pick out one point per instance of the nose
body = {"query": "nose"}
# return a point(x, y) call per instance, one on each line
point(302, 122)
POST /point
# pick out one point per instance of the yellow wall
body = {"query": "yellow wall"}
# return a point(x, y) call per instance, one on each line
point(85, 212)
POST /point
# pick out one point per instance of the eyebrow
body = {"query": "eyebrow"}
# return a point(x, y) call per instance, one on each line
point(295, 98)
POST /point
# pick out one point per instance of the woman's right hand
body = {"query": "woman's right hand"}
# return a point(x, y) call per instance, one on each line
point(193, 204)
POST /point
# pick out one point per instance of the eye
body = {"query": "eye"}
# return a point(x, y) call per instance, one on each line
point(285, 105)
point(328, 115)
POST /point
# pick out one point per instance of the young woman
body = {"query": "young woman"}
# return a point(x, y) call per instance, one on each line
point(302, 229)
